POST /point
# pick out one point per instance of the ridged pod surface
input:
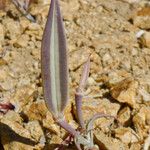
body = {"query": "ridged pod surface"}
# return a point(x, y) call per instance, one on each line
point(54, 62)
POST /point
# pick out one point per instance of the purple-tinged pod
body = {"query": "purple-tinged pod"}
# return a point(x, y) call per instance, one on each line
point(85, 74)
point(80, 92)
point(54, 62)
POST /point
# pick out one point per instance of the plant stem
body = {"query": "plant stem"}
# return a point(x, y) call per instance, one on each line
point(78, 102)
point(97, 116)
point(64, 124)
point(79, 139)
point(79, 92)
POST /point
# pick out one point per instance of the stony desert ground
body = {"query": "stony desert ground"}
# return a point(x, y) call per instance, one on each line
point(116, 33)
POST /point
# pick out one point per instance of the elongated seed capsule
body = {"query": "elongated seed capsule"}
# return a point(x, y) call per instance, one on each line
point(54, 62)
point(80, 92)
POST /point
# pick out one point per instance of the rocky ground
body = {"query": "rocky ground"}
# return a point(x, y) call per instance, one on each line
point(116, 33)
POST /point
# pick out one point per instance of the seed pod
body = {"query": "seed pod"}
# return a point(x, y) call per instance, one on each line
point(54, 62)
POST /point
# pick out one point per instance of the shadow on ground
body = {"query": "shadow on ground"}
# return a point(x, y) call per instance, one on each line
point(7, 135)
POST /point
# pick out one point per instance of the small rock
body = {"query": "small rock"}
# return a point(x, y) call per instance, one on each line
point(67, 112)
point(23, 96)
point(125, 92)
point(145, 94)
point(38, 111)
point(134, 52)
point(107, 58)
point(49, 124)
point(90, 81)
point(79, 55)
point(141, 121)
point(22, 41)
point(6, 82)
point(145, 39)
point(41, 10)
point(69, 9)
point(147, 143)
point(35, 130)
point(13, 116)
point(12, 29)
point(43, 2)
point(42, 140)
point(117, 76)
point(1, 33)
point(55, 140)
point(2, 5)
point(124, 116)
point(136, 146)
point(142, 19)
point(108, 143)
point(95, 65)
point(3, 62)
point(34, 27)
point(15, 136)
point(132, 1)
point(24, 23)
point(35, 32)
point(126, 135)
point(3, 75)
point(140, 33)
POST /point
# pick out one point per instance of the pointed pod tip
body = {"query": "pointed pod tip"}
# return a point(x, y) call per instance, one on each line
point(85, 73)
